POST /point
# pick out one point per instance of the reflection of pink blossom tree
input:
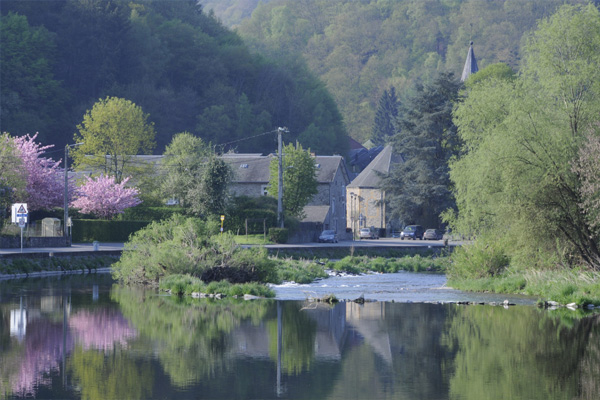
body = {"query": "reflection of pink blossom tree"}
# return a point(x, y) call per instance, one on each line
point(101, 329)
point(43, 352)
point(104, 198)
point(45, 180)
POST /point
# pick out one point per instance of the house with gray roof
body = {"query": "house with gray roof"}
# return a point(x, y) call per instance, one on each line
point(327, 208)
point(366, 201)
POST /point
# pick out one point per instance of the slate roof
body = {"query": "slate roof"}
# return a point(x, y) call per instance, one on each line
point(470, 64)
point(369, 177)
point(315, 213)
point(254, 168)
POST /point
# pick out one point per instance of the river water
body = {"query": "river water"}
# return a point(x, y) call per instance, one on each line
point(82, 337)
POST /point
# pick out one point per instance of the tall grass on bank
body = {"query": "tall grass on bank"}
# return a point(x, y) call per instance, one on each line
point(484, 266)
point(364, 264)
point(186, 285)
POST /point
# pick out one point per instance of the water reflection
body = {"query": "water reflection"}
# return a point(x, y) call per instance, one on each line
point(93, 340)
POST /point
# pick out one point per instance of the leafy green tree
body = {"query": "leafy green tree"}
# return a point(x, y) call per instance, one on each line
point(515, 180)
point(13, 178)
point(196, 176)
point(112, 133)
point(31, 96)
point(418, 190)
point(299, 179)
point(385, 117)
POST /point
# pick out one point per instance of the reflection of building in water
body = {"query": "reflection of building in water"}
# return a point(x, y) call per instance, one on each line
point(332, 327)
point(367, 319)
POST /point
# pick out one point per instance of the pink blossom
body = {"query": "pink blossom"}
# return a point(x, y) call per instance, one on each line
point(104, 198)
point(45, 179)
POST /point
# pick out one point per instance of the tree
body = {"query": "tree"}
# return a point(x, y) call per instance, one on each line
point(12, 176)
point(515, 180)
point(587, 168)
point(112, 132)
point(419, 190)
point(385, 117)
point(195, 175)
point(103, 197)
point(45, 179)
point(299, 179)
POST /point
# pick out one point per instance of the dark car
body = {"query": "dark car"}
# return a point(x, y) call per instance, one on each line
point(432, 234)
point(328, 236)
point(412, 232)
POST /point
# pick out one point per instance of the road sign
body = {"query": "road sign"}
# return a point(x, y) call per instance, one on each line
point(19, 210)
point(222, 217)
point(21, 222)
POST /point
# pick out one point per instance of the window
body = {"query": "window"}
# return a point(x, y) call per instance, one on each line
point(264, 190)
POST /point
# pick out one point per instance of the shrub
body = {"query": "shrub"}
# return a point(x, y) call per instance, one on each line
point(105, 231)
point(480, 259)
point(278, 235)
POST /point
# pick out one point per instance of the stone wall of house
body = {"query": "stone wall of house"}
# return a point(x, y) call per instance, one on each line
point(247, 189)
point(365, 209)
point(334, 195)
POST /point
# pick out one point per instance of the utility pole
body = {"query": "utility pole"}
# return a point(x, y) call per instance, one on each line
point(66, 203)
point(280, 131)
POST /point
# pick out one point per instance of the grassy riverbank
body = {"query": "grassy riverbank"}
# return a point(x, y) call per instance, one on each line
point(564, 286)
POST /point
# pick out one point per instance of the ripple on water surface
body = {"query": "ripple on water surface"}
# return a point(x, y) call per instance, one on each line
point(399, 287)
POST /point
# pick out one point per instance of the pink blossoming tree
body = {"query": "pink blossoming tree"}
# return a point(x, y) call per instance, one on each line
point(104, 198)
point(45, 179)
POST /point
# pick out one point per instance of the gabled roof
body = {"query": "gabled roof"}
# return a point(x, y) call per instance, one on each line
point(253, 168)
point(248, 168)
point(369, 177)
point(315, 213)
point(470, 64)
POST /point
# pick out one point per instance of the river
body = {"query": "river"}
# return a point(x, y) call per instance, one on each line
point(82, 337)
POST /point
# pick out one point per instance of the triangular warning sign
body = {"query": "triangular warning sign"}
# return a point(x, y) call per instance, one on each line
point(22, 210)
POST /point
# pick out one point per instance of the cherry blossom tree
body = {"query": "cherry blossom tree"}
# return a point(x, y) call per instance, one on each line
point(45, 184)
point(104, 198)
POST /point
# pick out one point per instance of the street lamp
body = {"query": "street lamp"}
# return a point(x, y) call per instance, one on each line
point(352, 197)
point(66, 203)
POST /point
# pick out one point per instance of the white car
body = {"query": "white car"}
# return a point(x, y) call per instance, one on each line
point(366, 233)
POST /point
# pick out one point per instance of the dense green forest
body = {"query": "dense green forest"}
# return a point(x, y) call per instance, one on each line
point(361, 48)
point(179, 64)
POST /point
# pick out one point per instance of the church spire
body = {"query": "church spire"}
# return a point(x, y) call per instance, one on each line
point(470, 64)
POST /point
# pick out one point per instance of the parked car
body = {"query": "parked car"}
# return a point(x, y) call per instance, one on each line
point(412, 232)
point(432, 234)
point(328, 236)
point(367, 233)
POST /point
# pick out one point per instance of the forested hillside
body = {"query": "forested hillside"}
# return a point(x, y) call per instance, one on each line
point(179, 64)
point(361, 48)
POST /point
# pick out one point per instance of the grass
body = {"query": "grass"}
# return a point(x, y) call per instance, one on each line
point(186, 285)
point(580, 286)
point(251, 239)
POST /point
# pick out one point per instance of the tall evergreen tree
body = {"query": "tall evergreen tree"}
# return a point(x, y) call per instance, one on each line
point(418, 189)
point(385, 117)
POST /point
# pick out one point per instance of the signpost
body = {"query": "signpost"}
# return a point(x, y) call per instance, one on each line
point(20, 216)
point(222, 219)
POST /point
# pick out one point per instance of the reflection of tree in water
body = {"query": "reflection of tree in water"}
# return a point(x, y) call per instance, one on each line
point(299, 332)
point(100, 329)
point(191, 337)
point(522, 353)
point(43, 350)
point(116, 376)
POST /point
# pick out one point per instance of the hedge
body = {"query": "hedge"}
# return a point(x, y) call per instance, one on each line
point(278, 235)
point(89, 230)
point(149, 213)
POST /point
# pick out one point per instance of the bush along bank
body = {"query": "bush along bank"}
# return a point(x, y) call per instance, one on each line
point(484, 267)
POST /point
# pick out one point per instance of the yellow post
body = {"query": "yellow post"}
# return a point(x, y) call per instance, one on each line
point(222, 219)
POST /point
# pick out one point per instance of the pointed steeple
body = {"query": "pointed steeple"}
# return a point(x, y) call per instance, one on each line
point(470, 64)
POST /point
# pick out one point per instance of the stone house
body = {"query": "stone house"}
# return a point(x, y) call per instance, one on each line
point(366, 206)
point(327, 209)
